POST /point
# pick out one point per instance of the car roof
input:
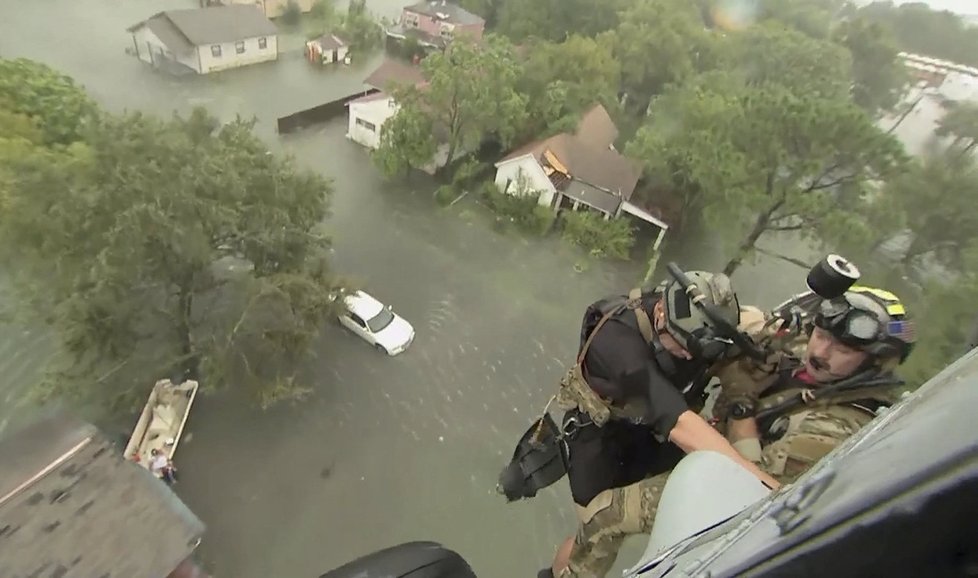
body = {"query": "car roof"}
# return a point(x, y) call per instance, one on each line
point(363, 305)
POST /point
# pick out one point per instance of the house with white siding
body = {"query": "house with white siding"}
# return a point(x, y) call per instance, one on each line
point(578, 170)
point(204, 40)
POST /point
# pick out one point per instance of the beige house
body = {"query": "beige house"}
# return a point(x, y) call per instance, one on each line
point(204, 40)
point(271, 8)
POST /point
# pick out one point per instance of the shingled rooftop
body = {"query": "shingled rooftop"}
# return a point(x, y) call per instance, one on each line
point(71, 506)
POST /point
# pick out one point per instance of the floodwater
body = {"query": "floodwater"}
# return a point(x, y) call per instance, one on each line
point(387, 450)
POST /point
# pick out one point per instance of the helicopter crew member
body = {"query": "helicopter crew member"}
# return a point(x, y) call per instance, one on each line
point(624, 401)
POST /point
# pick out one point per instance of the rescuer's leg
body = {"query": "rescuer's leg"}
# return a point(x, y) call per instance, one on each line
point(605, 523)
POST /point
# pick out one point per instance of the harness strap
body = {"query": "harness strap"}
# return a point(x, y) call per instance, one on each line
point(644, 322)
point(634, 303)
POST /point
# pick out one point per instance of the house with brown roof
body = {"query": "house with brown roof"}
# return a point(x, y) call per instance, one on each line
point(578, 170)
point(368, 113)
point(435, 23)
point(204, 40)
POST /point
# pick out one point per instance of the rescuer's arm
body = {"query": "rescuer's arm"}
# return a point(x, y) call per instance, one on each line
point(670, 418)
point(692, 433)
point(745, 437)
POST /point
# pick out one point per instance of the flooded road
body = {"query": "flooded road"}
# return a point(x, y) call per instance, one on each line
point(386, 450)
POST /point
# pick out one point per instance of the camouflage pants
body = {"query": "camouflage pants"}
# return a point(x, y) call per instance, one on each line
point(612, 516)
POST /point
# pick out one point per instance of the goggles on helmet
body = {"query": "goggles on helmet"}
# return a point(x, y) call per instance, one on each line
point(857, 327)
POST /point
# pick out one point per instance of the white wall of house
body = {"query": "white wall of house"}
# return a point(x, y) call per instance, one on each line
point(216, 57)
point(149, 48)
point(341, 53)
point(508, 174)
point(366, 120)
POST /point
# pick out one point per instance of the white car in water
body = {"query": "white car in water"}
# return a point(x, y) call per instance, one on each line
point(376, 323)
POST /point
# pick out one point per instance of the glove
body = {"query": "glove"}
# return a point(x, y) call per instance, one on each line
point(791, 319)
point(746, 376)
point(724, 403)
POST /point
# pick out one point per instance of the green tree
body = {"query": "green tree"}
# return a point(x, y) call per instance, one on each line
point(54, 102)
point(767, 156)
point(945, 323)
point(360, 28)
point(470, 95)
point(556, 20)
point(292, 14)
point(769, 54)
point(919, 29)
point(879, 78)
point(961, 125)
point(659, 42)
point(169, 247)
point(939, 196)
point(406, 141)
point(560, 80)
point(814, 18)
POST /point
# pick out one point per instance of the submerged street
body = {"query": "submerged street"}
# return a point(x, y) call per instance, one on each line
point(386, 450)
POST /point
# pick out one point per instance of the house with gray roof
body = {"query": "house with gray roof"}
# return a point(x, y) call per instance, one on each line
point(204, 40)
point(70, 505)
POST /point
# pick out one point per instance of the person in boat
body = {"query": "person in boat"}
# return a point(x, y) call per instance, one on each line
point(161, 466)
point(828, 378)
point(626, 417)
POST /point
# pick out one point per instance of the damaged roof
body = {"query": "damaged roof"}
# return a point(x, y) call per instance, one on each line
point(71, 506)
point(588, 157)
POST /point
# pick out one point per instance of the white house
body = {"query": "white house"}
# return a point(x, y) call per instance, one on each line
point(578, 171)
point(204, 40)
point(367, 115)
point(327, 49)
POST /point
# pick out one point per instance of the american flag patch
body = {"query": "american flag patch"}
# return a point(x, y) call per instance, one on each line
point(902, 330)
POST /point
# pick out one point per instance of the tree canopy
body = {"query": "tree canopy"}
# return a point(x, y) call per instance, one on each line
point(919, 29)
point(560, 80)
point(469, 95)
point(54, 102)
point(879, 78)
point(776, 142)
point(156, 248)
point(659, 42)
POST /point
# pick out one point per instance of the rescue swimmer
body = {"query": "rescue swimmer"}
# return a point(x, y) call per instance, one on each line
point(624, 397)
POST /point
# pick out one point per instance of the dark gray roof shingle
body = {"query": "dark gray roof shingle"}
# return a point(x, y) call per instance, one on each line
point(71, 506)
point(211, 25)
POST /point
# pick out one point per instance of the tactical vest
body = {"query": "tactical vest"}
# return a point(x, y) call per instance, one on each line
point(575, 393)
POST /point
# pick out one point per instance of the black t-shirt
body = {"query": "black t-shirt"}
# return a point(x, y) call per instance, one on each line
point(620, 366)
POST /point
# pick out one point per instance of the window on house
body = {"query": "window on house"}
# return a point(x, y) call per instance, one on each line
point(367, 125)
point(239, 47)
point(262, 43)
point(216, 50)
